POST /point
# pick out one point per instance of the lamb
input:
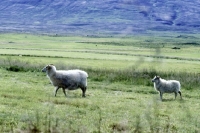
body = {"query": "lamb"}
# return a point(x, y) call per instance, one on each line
point(66, 79)
point(166, 86)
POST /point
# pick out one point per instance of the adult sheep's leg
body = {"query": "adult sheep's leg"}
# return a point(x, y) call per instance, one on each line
point(180, 94)
point(56, 89)
point(161, 96)
point(83, 91)
point(175, 94)
point(64, 91)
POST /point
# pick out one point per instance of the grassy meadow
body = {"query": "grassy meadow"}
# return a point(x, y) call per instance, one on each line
point(120, 95)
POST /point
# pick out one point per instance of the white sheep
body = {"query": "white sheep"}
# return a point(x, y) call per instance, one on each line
point(166, 86)
point(66, 79)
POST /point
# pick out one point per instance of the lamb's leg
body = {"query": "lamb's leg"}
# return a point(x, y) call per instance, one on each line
point(180, 94)
point(56, 89)
point(83, 91)
point(64, 91)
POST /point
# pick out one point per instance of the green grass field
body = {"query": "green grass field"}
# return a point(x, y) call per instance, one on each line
point(120, 96)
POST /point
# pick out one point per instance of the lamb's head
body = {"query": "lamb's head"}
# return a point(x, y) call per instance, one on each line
point(156, 79)
point(49, 69)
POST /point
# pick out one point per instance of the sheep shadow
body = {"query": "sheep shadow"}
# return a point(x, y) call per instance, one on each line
point(68, 97)
point(171, 99)
point(167, 100)
point(70, 94)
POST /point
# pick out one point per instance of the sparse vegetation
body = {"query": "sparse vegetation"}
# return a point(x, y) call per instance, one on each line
point(120, 95)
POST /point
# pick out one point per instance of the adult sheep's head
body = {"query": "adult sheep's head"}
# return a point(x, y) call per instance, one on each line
point(49, 68)
point(156, 79)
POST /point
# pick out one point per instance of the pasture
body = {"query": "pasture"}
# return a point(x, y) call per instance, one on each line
point(120, 95)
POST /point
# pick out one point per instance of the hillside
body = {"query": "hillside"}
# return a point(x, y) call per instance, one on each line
point(94, 17)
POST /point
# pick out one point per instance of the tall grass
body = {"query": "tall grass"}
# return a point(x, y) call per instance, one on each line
point(143, 77)
point(18, 65)
point(130, 75)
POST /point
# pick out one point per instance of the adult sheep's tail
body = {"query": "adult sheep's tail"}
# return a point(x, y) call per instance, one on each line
point(83, 77)
point(179, 85)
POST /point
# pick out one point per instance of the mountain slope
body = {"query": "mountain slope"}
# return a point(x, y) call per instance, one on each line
point(93, 17)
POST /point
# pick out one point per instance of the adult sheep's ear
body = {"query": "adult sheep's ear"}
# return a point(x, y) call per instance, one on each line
point(157, 77)
point(48, 67)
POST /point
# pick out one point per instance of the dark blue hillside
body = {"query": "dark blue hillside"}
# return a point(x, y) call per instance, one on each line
point(93, 17)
